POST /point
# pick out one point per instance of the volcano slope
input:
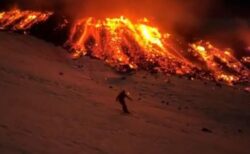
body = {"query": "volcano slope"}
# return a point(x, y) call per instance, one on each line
point(52, 104)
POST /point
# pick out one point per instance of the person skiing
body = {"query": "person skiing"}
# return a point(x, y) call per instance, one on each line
point(121, 98)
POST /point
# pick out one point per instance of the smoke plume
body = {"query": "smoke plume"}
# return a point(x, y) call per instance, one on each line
point(167, 14)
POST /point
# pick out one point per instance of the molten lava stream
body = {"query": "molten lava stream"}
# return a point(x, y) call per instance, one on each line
point(119, 42)
point(21, 20)
point(129, 45)
point(221, 63)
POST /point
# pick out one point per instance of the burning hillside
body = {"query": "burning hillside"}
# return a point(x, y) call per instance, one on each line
point(130, 45)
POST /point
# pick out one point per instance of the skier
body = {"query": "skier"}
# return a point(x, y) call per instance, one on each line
point(121, 98)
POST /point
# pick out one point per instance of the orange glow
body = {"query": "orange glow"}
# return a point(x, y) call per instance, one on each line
point(21, 20)
point(1, 15)
point(120, 41)
point(219, 62)
point(127, 44)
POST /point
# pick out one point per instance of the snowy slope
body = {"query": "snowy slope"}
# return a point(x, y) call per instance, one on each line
point(51, 104)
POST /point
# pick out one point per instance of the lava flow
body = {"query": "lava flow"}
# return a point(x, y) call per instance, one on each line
point(129, 45)
point(121, 42)
point(21, 20)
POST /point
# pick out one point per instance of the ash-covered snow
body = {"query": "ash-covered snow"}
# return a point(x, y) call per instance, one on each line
point(52, 104)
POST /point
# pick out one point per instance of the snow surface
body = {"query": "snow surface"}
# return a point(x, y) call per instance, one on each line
point(50, 104)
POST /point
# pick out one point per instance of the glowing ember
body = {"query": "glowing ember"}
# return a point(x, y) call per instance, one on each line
point(21, 20)
point(129, 45)
point(246, 60)
point(1, 15)
point(221, 63)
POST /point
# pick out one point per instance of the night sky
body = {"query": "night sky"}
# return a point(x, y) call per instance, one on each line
point(223, 8)
point(235, 8)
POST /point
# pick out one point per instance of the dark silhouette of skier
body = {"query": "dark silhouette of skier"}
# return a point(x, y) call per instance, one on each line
point(121, 98)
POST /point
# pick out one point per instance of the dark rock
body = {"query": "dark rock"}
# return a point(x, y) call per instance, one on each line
point(3, 126)
point(167, 81)
point(80, 66)
point(206, 130)
point(61, 73)
point(219, 85)
point(240, 131)
point(123, 78)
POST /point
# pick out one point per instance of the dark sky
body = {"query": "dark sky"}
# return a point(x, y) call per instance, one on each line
point(222, 8)
point(228, 8)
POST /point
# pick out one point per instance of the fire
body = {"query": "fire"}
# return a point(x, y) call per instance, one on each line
point(21, 20)
point(137, 44)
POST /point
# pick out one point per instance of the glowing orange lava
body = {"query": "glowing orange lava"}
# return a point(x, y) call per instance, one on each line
point(129, 45)
point(120, 41)
point(221, 63)
point(21, 20)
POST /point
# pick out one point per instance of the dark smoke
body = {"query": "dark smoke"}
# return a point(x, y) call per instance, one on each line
point(165, 13)
point(222, 21)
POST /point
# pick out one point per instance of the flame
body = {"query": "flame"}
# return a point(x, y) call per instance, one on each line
point(21, 20)
point(127, 44)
